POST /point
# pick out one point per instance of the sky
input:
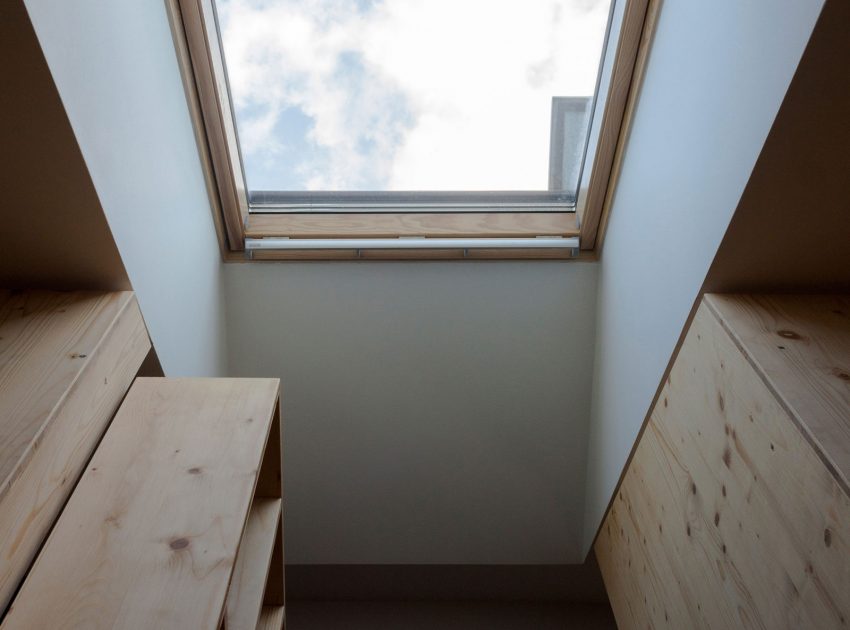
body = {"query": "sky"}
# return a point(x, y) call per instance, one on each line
point(404, 94)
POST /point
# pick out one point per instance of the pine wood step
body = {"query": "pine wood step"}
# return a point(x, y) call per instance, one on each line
point(149, 537)
point(271, 618)
point(66, 361)
point(248, 584)
point(800, 346)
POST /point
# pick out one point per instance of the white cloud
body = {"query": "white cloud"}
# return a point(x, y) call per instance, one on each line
point(410, 94)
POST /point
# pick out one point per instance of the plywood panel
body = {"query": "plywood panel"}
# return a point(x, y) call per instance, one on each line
point(800, 345)
point(727, 516)
point(270, 485)
point(66, 360)
point(150, 535)
point(271, 618)
point(245, 596)
point(393, 224)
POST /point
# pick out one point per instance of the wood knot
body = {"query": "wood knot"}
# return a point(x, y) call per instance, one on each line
point(827, 537)
point(78, 355)
point(195, 470)
point(716, 519)
point(179, 543)
point(788, 334)
point(720, 401)
point(727, 457)
point(842, 374)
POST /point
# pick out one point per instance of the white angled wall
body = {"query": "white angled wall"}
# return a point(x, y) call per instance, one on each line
point(433, 412)
point(115, 67)
point(715, 79)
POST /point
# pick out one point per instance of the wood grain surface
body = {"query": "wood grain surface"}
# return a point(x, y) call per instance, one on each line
point(66, 361)
point(727, 516)
point(150, 534)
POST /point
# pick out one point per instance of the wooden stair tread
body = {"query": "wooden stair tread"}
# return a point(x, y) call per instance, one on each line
point(800, 346)
point(149, 537)
point(66, 360)
point(247, 586)
point(46, 339)
point(271, 618)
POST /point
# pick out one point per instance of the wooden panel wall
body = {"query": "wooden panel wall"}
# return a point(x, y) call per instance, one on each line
point(726, 517)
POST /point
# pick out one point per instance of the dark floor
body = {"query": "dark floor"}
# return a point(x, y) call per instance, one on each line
point(360, 615)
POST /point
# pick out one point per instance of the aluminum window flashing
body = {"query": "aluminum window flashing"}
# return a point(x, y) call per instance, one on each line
point(410, 201)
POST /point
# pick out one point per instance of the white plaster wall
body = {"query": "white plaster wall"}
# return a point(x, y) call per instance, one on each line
point(715, 79)
point(116, 70)
point(433, 412)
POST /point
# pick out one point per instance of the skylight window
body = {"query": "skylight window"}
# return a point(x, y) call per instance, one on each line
point(476, 103)
point(411, 129)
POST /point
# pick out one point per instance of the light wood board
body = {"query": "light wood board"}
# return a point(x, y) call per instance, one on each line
point(210, 82)
point(363, 255)
point(149, 537)
point(632, 50)
point(800, 345)
point(66, 361)
point(270, 485)
point(271, 618)
point(726, 517)
point(248, 584)
point(394, 224)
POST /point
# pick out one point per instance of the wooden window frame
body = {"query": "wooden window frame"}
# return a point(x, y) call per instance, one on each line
point(205, 82)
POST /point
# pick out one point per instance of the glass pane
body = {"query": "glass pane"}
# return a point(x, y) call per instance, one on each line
point(412, 95)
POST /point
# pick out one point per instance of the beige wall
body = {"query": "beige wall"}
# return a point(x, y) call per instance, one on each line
point(54, 233)
point(792, 227)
